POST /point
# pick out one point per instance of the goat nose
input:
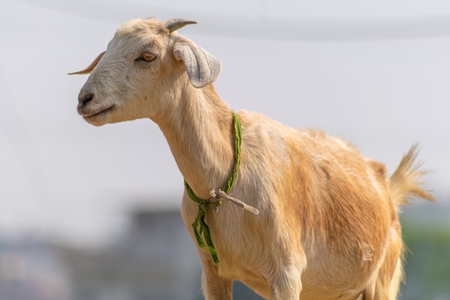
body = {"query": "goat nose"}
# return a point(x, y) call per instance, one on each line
point(85, 97)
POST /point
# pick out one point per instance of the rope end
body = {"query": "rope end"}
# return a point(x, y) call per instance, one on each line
point(251, 209)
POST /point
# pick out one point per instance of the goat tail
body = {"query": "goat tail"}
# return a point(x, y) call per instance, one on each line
point(405, 181)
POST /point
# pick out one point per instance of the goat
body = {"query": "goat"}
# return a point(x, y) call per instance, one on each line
point(327, 226)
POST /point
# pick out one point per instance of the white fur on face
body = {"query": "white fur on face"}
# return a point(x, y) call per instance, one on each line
point(143, 73)
point(122, 81)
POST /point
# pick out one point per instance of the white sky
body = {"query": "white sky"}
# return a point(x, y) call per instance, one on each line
point(378, 76)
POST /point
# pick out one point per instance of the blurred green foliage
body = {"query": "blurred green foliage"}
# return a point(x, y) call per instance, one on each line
point(427, 265)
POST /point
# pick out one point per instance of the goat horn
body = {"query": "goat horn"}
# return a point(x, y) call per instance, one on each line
point(176, 24)
point(91, 67)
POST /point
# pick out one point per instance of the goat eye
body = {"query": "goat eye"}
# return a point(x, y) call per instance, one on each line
point(147, 56)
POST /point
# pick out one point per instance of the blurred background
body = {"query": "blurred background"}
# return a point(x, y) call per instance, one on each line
point(92, 213)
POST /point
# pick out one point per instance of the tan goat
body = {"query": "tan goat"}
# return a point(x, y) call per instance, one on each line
point(327, 226)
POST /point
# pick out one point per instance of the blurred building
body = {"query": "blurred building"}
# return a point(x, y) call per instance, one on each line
point(31, 270)
point(154, 260)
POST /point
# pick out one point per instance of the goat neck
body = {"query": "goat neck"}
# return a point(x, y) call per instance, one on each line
point(200, 134)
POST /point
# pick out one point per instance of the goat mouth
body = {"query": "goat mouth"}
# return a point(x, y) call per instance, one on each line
point(102, 112)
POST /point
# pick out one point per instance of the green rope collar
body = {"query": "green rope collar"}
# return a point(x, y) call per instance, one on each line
point(200, 227)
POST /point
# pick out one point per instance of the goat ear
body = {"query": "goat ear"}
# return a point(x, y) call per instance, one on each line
point(202, 67)
point(91, 67)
